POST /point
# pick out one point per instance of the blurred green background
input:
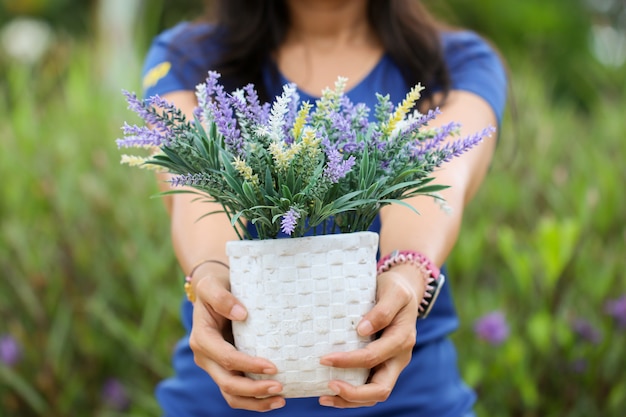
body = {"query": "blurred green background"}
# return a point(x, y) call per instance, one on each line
point(89, 287)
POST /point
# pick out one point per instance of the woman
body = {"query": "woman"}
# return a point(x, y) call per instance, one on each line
point(380, 46)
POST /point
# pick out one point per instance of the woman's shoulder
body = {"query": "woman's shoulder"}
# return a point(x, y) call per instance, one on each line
point(462, 45)
point(476, 66)
point(177, 57)
point(181, 34)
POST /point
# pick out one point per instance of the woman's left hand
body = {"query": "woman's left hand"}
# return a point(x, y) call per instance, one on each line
point(399, 293)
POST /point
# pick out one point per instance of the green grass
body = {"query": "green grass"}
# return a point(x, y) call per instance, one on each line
point(544, 242)
point(90, 287)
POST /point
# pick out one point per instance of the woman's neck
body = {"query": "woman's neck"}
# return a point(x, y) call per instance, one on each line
point(324, 23)
point(327, 39)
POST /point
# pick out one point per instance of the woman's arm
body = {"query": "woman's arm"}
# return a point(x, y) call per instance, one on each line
point(196, 239)
point(433, 233)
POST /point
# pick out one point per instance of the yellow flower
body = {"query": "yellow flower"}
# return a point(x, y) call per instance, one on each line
point(330, 98)
point(245, 171)
point(404, 107)
point(298, 124)
point(284, 156)
point(138, 161)
point(310, 143)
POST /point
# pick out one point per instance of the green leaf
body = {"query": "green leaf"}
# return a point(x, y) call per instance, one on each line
point(540, 330)
point(286, 193)
point(555, 241)
point(249, 193)
point(23, 389)
point(400, 203)
point(517, 260)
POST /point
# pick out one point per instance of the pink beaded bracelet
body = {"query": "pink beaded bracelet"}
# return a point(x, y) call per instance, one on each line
point(433, 278)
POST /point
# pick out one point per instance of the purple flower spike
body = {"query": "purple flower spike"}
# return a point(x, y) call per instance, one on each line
point(114, 395)
point(142, 109)
point(290, 221)
point(10, 350)
point(585, 331)
point(142, 136)
point(617, 309)
point(492, 328)
point(336, 167)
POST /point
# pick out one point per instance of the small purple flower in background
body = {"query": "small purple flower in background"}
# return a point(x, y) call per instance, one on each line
point(617, 309)
point(114, 395)
point(289, 221)
point(579, 365)
point(10, 350)
point(492, 328)
point(585, 331)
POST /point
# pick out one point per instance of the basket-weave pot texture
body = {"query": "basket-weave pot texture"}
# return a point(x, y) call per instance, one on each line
point(305, 297)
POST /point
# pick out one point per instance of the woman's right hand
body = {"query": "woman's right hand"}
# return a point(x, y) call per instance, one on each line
point(211, 342)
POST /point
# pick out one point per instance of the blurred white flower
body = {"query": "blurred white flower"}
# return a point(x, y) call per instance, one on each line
point(609, 45)
point(25, 39)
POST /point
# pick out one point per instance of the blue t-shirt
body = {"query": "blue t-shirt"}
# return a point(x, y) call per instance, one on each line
point(430, 384)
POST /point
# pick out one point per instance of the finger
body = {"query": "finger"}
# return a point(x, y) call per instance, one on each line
point(395, 340)
point(236, 385)
point(393, 296)
point(349, 396)
point(254, 404)
point(208, 342)
point(377, 390)
point(215, 294)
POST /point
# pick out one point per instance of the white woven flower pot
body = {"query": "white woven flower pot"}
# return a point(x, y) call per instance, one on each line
point(305, 297)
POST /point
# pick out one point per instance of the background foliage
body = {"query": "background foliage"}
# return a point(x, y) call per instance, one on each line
point(90, 289)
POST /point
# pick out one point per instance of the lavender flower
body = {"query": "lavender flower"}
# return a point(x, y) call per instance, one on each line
point(459, 147)
point(10, 350)
point(143, 136)
point(259, 159)
point(341, 129)
point(617, 309)
point(492, 328)
point(217, 106)
point(142, 109)
point(114, 395)
point(290, 221)
point(226, 123)
point(336, 167)
point(586, 332)
point(200, 179)
point(258, 113)
point(419, 148)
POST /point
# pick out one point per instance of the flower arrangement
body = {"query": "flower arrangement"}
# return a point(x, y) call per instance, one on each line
point(289, 166)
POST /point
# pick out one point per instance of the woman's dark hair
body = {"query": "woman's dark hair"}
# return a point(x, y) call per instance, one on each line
point(248, 31)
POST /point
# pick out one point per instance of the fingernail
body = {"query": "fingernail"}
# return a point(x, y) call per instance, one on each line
point(325, 401)
point(334, 388)
point(275, 389)
point(365, 328)
point(326, 362)
point(277, 404)
point(269, 371)
point(238, 312)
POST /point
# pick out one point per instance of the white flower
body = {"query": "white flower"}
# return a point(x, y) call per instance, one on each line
point(279, 110)
point(26, 40)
